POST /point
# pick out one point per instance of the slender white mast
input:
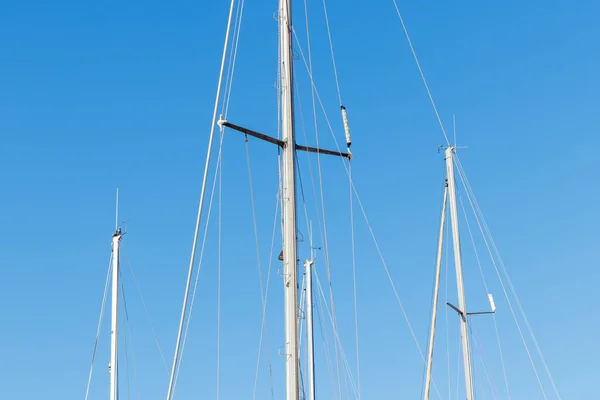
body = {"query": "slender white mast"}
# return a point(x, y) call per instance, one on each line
point(309, 330)
point(462, 305)
point(114, 327)
point(290, 274)
point(435, 297)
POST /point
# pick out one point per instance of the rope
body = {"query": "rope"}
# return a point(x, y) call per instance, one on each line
point(200, 206)
point(487, 291)
point(414, 53)
point(464, 181)
point(87, 390)
point(146, 310)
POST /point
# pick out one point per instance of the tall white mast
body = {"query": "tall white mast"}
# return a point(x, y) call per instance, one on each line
point(114, 326)
point(462, 305)
point(435, 298)
point(309, 330)
point(290, 274)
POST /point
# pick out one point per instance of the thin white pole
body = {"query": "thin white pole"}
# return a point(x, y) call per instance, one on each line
point(200, 208)
point(462, 305)
point(309, 331)
point(114, 332)
point(438, 269)
point(290, 268)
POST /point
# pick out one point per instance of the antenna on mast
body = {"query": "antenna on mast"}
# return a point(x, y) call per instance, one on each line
point(117, 212)
point(454, 128)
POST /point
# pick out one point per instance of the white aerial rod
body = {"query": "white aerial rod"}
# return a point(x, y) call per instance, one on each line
point(436, 292)
point(114, 325)
point(290, 267)
point(462, 306)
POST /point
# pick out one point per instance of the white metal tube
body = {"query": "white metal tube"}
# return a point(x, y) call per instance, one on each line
point(200, 208)
point(290, 268)
point(114, 325)
point(462, 305)
point(309, 331)
point(438, 268)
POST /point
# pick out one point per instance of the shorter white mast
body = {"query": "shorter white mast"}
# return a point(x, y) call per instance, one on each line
point(114, 326)
point(308, 264)
point(435, 297)
point(462, 305)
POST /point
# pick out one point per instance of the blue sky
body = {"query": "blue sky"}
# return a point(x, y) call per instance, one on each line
point(120, 94)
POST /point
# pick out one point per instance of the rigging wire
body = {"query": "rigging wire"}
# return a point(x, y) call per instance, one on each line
point(260, 277)
point(264, 311)
point(126, 356)
point(128, 334)
point(327, 348)
point(324, 336)
point(483, 359)
point(219, 236)
point(322, 198)
point(102, 308)
point(233, 58)
point(353, 249)
point(139, 290)
point(345, 362)
point(200, 207)
point(469, 194)
point(414, 53)
point(487, 291)
point(337, 81)
point(511, 286)
point(373, 237)
point(320, 225)
point(201, 257)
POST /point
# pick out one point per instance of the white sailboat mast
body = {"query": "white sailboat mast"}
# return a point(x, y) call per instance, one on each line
point(114, 326)
point(436, 291)
point(462, 306)
point(290, 274)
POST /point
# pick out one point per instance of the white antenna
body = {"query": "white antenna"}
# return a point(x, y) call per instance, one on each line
point(117, 211)
point(454, 127)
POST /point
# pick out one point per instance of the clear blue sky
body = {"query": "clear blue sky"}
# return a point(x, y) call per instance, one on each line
point(119, 94)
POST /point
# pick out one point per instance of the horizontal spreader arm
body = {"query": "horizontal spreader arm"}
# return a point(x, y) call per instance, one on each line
point(281, 143)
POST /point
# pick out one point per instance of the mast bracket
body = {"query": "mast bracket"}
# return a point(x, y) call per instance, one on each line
point(458, 310)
